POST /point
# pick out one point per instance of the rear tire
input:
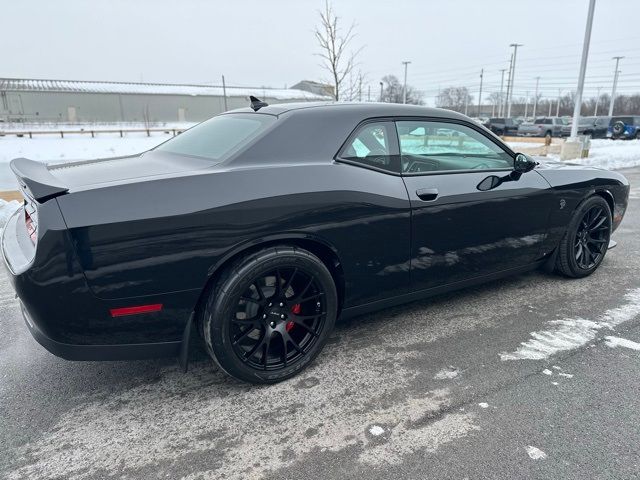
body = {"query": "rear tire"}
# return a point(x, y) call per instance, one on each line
point(585, 243)
point(270, 314)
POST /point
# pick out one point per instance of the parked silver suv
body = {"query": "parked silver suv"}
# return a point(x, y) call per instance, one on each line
point(543, 127)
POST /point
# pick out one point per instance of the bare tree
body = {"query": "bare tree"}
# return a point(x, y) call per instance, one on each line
point(393, 91)
point(333, 48)
point(454, 98)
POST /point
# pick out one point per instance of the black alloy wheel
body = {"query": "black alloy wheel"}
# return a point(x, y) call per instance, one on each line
point(592, 238)
point(270, 314)
point(586, 241)
point(278, 318)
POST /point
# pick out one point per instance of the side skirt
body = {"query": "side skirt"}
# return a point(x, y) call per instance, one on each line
point(430, 292)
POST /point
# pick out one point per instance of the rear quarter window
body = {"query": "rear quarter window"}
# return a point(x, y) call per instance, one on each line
point(219, 137)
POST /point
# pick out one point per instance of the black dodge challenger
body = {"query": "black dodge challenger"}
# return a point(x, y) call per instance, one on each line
point(261, 226)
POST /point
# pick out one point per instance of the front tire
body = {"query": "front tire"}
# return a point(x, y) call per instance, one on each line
point(270, 314)
point(585, 243)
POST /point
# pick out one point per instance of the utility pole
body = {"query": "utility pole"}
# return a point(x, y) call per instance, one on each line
point(404, 90)
point(501, 85)
point(513, 75)
point(480, 95)
point(615, 84)
point(558, 105)
point(577, 108)
point(550, 103)
point(466, 103)
point(535, 99)
point(506, 98)
point(381, 86)
point(368, 93)
point(526, 105)
point(595, 110)
point(224, 93)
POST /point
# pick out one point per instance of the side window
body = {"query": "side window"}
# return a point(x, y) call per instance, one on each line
point(438, 146)
point(370, 145)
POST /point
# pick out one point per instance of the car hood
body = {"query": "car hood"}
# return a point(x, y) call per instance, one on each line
point(546, 163)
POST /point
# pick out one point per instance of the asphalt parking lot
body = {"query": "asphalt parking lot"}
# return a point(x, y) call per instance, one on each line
point(443, 388)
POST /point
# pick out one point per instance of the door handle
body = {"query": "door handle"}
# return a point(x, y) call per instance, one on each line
point(427, 194)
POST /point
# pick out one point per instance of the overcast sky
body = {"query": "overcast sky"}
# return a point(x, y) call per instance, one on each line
point(271, 43)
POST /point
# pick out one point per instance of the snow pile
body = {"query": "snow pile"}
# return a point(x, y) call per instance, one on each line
point(6, 210)
point(612, 154)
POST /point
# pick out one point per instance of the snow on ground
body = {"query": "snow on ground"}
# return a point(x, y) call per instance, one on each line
point(570, 333)
point(611, 154)
point(535, 453)
point(517, 145)
point(614, 342)
point(71, 148)
point(6, 209)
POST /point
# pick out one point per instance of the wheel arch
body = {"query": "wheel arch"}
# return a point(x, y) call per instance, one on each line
point(326, 252)
point(608, 196)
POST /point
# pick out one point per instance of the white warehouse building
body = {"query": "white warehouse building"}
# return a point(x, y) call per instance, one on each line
point(71, 101)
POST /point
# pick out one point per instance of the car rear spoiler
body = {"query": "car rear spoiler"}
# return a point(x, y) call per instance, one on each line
point(36, 179)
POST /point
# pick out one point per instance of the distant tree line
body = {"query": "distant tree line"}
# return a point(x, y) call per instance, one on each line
point(460, 100)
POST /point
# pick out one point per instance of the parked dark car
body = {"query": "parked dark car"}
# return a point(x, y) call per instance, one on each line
point(627, 127)
point(503, 126)
point(543, 127)
point(261, 226)
point(594, 126)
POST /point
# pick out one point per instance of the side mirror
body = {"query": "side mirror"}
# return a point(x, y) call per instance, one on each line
point(523, 164)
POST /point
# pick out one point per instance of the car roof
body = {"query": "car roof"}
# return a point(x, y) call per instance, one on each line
point(364, 109)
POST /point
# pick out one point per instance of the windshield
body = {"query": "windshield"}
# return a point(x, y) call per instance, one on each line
point(218, 137)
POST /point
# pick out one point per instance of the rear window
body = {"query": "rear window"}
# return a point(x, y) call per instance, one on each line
point(539, 121)
point(218, 137)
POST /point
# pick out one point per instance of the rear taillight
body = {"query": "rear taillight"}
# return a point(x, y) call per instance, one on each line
point(30, 220)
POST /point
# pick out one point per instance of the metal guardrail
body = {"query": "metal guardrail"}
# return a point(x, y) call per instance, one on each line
point(92, 132)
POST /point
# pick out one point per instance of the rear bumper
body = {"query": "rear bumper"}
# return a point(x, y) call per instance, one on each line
point(65, 317)
point(69, 351)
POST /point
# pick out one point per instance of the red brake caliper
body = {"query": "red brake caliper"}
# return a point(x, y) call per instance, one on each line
point(296, 309)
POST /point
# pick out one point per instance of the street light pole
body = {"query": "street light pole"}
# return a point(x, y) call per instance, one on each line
point(506, 98)
point(583, 69)
point(404, 90)
point(480, 95)
point(501, 85)
point(595, 110)
point(535, 99)
point(615, 84)
point(526, 105)
point(558, 105)
point(381, 85)
point(513, 75)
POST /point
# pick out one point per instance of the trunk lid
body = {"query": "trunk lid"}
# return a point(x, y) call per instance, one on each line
point(43, 182)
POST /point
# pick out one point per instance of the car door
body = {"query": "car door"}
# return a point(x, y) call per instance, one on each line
point(458, 231)
point(375, 240)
